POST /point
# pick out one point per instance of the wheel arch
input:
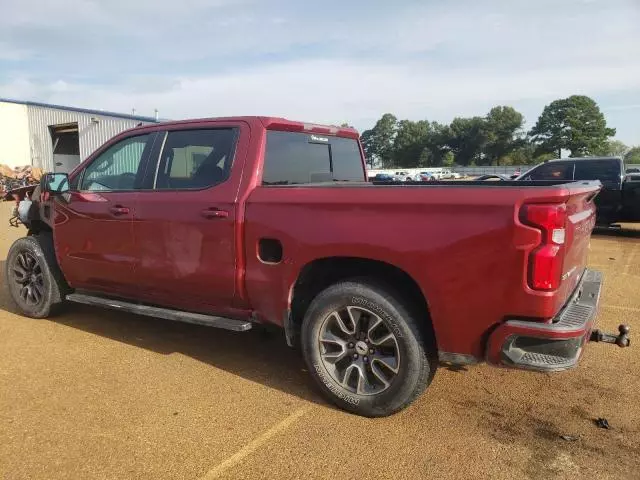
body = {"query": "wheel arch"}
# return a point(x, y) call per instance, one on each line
point(320, 273)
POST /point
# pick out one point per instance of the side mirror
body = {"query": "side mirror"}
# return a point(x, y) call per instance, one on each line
point(54, 183)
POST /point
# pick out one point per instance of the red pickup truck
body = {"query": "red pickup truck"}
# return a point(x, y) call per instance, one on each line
point(233, 222)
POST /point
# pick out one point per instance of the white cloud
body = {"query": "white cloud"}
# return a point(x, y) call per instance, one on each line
point(331, 91)
point(332, 63)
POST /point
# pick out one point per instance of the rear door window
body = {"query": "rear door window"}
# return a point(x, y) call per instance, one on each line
point(552, 171)
point(603, 170)
point(195, 159)
point(294, 158)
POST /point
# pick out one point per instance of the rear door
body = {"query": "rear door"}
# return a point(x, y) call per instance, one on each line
point(185, 225)
point(94, 221)
point(608, 171)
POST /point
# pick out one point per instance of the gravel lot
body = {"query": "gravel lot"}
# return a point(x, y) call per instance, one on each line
point(98, 394)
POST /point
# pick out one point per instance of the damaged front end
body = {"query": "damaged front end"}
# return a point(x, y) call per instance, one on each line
point(25, 208)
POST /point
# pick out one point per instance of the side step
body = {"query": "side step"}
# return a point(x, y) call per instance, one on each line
point(167, 314)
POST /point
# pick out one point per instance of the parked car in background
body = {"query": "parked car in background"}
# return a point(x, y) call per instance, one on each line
point(493, 177)
point(619, 200)
point(424, 177)
point(240, 221)
point(403, 176)
point(383, 177)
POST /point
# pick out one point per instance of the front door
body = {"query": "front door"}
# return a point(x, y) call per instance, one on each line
point(94, 221)
point(185, 226)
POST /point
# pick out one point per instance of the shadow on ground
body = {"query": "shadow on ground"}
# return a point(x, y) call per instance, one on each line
point(617, 232)
point(259, 355)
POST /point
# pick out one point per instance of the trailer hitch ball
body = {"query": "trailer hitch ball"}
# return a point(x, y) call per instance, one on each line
point(622, 339)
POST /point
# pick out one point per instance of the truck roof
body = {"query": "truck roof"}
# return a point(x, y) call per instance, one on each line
point(568, 159)
point(275, 123)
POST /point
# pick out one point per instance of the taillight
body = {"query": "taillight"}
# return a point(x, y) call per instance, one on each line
point(545, 262)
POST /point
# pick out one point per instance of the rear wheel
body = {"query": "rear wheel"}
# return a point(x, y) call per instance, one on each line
point(33, 277)
point(365, 350)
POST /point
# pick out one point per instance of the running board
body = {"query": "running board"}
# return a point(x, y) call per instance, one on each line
point(165, 313)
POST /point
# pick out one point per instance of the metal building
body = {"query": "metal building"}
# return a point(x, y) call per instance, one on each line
point(54, 137)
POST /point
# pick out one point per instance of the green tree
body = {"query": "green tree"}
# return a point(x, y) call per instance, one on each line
point(378, 141)
point(467, 140)
point(448, 159)
point(502, 126)
point(575, 124)
point(521, 155)
point(438, 152)
point(612, 148)
point(633, 156)
point(410, 142)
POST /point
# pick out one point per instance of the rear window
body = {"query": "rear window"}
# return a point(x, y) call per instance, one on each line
point(294, 158)
point(604, 170)
point(552, 171)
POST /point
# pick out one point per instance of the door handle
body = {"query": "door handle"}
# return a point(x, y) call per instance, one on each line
point(214, 213)
point(119, 210)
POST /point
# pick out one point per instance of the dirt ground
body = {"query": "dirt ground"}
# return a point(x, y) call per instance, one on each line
point(94, 394)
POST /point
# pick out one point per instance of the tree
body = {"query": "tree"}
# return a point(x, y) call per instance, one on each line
point(410, 142)
point(501, 127)
point(438, 152)
point(521, 155)
point(467, 139)
point(612, 148)
point(378, 142)
point(633, 156)
point(575, 123)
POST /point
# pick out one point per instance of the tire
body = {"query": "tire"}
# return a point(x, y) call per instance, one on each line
point(390, 385)
point(42, 293)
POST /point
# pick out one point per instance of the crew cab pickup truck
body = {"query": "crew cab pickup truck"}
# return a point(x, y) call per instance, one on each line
point(619, 199)
point(234, 222)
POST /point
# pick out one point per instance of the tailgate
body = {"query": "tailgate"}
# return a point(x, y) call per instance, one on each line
point(581, 218)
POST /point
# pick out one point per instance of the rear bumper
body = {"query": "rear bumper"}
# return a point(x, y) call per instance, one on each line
point(549, 346)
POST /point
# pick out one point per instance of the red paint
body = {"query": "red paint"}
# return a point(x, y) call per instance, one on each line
point(464, 245)
point(94, 245)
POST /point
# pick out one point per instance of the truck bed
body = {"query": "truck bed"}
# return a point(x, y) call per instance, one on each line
point(462, 242)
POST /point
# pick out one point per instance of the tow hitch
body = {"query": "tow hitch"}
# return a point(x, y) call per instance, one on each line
point(622, 339)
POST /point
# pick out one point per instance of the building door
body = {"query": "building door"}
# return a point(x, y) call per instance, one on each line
point(66, 147)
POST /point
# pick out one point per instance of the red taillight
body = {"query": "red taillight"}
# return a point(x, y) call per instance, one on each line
point(545, 262)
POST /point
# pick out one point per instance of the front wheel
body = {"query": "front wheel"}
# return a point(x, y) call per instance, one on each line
point(33, 277)
point(365, 350)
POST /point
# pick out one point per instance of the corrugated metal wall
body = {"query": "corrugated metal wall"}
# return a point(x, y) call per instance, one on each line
point(126, 158)
point(91, 135)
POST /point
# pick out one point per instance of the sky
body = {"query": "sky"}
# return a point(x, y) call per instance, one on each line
point(324, 62)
